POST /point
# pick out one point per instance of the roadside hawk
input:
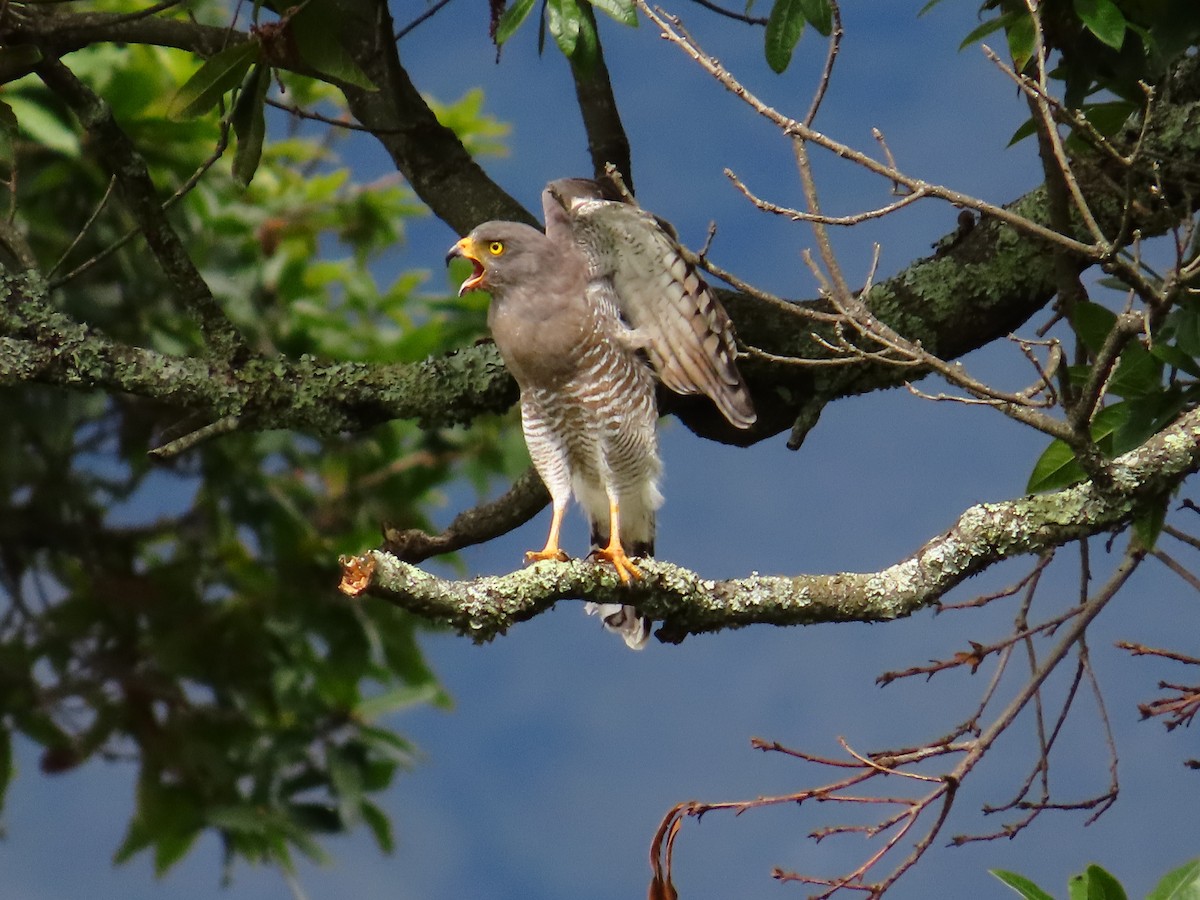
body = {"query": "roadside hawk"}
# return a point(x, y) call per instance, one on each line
point(584, 316)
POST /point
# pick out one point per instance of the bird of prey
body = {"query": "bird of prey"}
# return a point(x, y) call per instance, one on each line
point(584, 315)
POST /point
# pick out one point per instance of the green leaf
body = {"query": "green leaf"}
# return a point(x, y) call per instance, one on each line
point(387, 744)
point(1147, 525)
point(1021, 39)
point(397, 699)
point(1139, 373)
point(171, 847)
point(1179, 884)
point(563, 18)
point(1092, 323)
point(44, 127)
point(1176, 359)
point(1185, 325)
point(317, 29)
point(1109, 118)
point(1109, 420)
point(216, 77)
point(1147, 417)
point(981, 31)
point(243, 818)
point(785, 24)
point(1103, 19)
point(315, 817)
point(346, 774)
point(249, 122)
point(380, 825)
point(1055, 468)
point(1027, 128)
point(819, 15)
point(1021, 885)
point(166, 819)
point(512, 18)
point(587, 46)
point(1103, 886)
point(624, 11)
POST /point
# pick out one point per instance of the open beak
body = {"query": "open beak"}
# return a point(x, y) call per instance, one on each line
point(465, 249)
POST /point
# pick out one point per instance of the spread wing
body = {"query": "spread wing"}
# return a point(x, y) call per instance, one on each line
point(635, 262)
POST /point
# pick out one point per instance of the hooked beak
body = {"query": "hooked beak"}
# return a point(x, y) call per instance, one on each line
point(465, 249)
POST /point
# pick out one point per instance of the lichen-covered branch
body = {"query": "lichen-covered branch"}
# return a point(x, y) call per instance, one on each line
point(687, 604)
point(41, 345)
point(981, 284)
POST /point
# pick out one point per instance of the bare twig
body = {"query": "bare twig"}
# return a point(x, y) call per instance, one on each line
point(797, 215)
point(673, 31)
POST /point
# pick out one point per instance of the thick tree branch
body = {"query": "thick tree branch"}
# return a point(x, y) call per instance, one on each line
point(687, 604)
point(45, 346)
point(975, 288)
point(607, 141)
point(516, 506)
point(429, 155)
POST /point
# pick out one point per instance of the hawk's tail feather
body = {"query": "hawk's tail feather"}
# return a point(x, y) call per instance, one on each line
point(633, 628)
point(624, 620)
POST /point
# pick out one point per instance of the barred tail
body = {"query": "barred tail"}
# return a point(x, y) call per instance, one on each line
point(624, 620)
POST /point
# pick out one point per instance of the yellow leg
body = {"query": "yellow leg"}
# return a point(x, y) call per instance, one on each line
point(551, 550)
point(614, 552)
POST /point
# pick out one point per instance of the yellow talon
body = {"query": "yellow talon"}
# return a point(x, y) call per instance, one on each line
point(555, 553)
point(626, 570)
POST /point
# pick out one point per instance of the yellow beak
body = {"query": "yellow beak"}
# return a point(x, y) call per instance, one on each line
point(465, 249)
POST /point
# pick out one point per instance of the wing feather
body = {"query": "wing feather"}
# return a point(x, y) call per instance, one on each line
point(674, 314)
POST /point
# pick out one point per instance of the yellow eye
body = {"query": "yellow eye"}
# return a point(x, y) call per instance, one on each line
point(496, 248)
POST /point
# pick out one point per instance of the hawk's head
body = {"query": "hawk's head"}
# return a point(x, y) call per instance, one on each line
point(502, 253)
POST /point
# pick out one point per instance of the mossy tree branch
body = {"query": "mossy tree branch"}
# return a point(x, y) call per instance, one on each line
point(975, 289)
point(687, 604)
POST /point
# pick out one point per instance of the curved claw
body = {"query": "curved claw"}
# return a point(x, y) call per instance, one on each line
point(555, 553)
point(626, 570)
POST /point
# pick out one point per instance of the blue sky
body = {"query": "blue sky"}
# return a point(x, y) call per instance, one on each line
point(564, 750)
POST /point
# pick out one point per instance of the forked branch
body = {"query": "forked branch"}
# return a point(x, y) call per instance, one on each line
point(913, 806)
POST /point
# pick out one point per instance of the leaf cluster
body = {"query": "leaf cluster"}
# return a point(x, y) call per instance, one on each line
point(201, 639)
point(1102, 45)
point(1150, 385)
point(1096, 883)
point(573, 27)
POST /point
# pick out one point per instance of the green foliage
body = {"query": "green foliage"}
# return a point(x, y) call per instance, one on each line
point(1104, 45)
point(204, 638)
point(574, 31)
point(316, 28)
point(1021, 885)
point(1103, 19)
point(571, 25)
point(481, 134)
point(1180, 884)
point(1095, 883)
point(785, 25)
point(215, 78)
point(1153, 386)
point(249, 121)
